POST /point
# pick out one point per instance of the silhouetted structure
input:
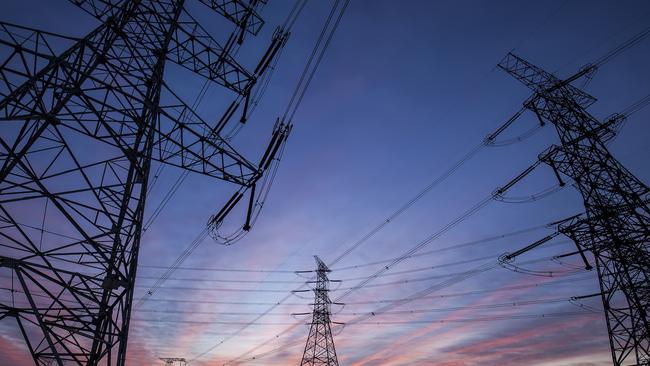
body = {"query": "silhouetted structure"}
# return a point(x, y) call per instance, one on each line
point(319, 349)
point(174, 361)
point(80, 130)
point(616, 226)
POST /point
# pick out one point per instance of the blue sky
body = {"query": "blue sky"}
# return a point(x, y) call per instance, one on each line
point(405, 90)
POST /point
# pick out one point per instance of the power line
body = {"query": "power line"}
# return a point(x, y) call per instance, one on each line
point(560, 280)
point(490, 138)
point(636, 106)
point(303, 84)
point(402, 301)
point(390, 304)
point(614, 200)
point(398, 260)
point(212, 269)
point(450, 247)
point(354, 288)
point(510, 304)
point(304, 87)
point(418, 196)
point(383, 284)
point(170, 270)
point(455, 320)
point(478, 206)
point(357, 266)
point(289, 22)
point(197, 279)
point(452, 320)
point(430, 289)
point(631, 42)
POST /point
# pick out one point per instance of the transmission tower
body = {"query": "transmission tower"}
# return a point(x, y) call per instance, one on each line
point(80, 128)
point(616, 225)
point(319, 349)
point(172, 361)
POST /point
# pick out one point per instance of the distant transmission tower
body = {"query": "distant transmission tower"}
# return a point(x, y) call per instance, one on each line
point(174, 361)
point(82, 121)
point(319, 349)
point(616, 227)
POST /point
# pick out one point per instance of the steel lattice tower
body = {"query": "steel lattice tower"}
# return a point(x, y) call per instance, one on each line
point(171, 361)
point(319, 349)
point(616, 226)
point(79, 131)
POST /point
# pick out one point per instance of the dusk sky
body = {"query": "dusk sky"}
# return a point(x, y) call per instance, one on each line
point(405, 90)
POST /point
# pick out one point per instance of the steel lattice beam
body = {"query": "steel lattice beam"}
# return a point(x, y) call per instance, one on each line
point(190, 46)
point(239, 12)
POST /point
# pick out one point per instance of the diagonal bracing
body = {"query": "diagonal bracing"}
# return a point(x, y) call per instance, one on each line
point(81, 122)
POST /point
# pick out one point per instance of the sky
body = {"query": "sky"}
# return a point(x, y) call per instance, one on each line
point(405, 90)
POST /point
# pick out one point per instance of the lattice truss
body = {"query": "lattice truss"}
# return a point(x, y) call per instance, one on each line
point(319, 349)
point(616, 225)
point(80, 128)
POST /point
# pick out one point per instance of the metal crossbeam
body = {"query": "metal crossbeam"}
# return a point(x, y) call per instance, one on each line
point(190, 46)
point(238, 12)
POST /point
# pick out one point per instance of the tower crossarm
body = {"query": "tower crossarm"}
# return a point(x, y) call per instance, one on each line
point(541, 81)
point(190, 46)
point(184, 140)
point(189, 142)
point(238, 12)
point(193, 48)
point(100, 9)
